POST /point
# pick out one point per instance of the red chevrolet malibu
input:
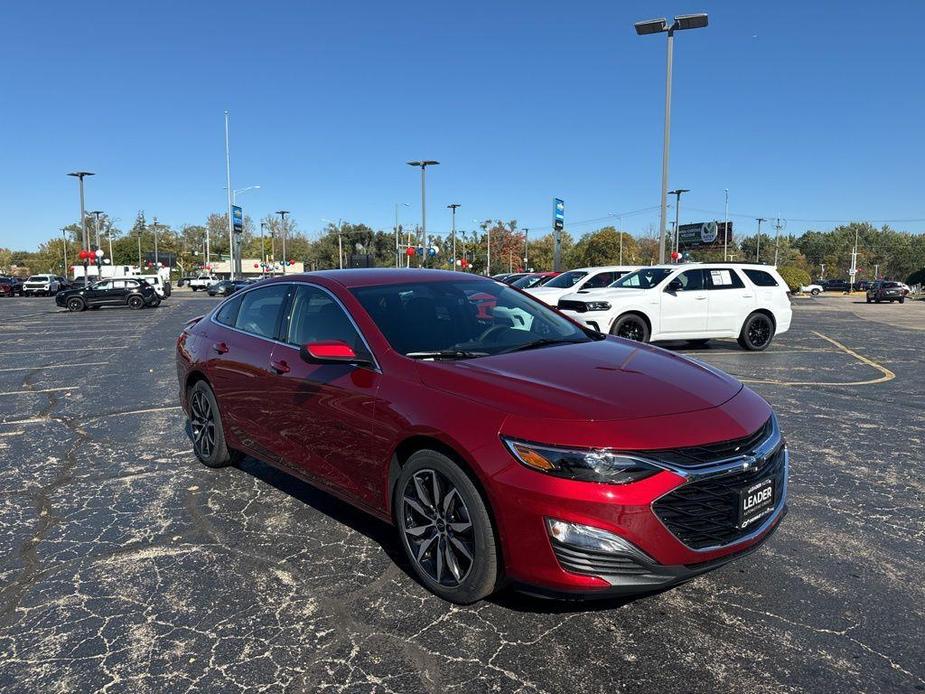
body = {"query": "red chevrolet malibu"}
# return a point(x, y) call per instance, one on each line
point(509, 446)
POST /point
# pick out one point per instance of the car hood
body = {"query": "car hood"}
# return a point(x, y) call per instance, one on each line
point(610, 379)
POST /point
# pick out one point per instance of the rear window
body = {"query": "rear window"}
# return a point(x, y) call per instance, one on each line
point(227, 313)
point(566, 279)
point(760, 278)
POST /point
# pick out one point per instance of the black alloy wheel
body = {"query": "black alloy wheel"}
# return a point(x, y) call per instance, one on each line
point(757, 332)
point(445, 528)
point(206, 428)
point(136, 302)
point(631, 327)
point(75, 304)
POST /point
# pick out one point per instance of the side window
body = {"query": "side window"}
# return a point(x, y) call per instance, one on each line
point(601, 279)
point(121, 284)
point(723, 278)
point(228, 313)
point(260, 309)
point(691, 280)
point(105, 284)
point(760, 278)
point(316, 316)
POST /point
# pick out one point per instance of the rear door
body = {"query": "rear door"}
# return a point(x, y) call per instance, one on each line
point(729, 300)
point(685, 311)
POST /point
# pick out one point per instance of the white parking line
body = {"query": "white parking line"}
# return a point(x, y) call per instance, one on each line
point(84, 349)
point(123, 414)
point(20, 422)
point(43, 390)
point(56, 366)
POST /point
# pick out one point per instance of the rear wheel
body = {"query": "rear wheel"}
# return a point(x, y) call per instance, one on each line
point(136, 302)
point(76, 304)
point(757, 332)
point(156, 303)
point(445, 529)
point(902, 300)
point(631, 326)
point(207, 430)
point(815, 292)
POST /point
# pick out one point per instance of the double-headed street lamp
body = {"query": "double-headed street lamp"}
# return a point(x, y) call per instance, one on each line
point(658, 26)
point(79, 175)
point(423, 164)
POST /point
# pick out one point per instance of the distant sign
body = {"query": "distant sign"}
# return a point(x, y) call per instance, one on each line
point(704, 235)
point(237, 218)
point(558, 214)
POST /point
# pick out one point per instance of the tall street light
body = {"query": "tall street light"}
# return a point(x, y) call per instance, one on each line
point(526, 247)
point(239, 191)
point(230, 192)
point(658, 26)
point(726, 226)
point(677, 215)
point(397, 232)
point(64, 238)
point(423, 164)
point(263, 249)
point(79, 175)
point(758, 244)
point(282, 220)
point(453, 207)
point(156, 257)
point(96, 214)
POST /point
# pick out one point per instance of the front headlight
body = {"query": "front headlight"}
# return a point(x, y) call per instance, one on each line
point(587, 465)
point(598, 306)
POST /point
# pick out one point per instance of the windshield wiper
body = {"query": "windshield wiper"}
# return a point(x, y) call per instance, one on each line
point(543, 342)
point(446, 354)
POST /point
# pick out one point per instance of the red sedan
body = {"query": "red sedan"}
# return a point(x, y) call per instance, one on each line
point(510, 448)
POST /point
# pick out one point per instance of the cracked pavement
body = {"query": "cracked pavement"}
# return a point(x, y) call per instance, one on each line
point(125, 565)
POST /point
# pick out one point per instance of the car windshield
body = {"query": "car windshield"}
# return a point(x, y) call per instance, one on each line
point(527, 281)
point(646, 278)
point(463, 319)
point(38, 278)
point(566, 279)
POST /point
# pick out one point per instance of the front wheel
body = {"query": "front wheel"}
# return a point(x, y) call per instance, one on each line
point(76, 304)
point(631, 326)
point(136, 302)
point(757, 332)
point(815, 292)
point(445, 529)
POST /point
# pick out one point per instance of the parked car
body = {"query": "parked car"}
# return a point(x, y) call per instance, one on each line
point(836, 285)
point(683, 302)
point(41, 285)
point(575, 280)
point(513, 277)
point(162, 288)
point(863, 285)
point(10, 286)
point(814, 289)
point(203, 282)
point(133, 292)
point(227, 287)
point(534, 279)
point(185, 280)
point(887, 291)
point(540, 454)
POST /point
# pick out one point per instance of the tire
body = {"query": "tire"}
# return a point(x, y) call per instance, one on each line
point(195, 289)
point(698, 343)
point(136, 302)
point(631, 326)
point(76, 304)
point(442, 538)
point(902, 300)
point(206, 427)
point(155, 303)
point(815, 292)
point(757, 332)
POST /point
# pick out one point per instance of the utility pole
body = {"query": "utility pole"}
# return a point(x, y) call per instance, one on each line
point(423, 164)
point(726, 227)
point(453, 207)
point(778, 225)
point(156, 257)
point(677, 214)
point(96, 214)
point(230, 193)
point(263, 250)
point(282, 221)
point(64, 239)
point(526, 248)
point(79, 175)
point(854, 261)
point(139, 249)
point(758, 245)
point(398, 234)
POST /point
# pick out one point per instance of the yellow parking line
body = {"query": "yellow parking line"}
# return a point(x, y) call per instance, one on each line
point(887, 374)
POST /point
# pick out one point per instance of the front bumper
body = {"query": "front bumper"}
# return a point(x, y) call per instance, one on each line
point(598, 321)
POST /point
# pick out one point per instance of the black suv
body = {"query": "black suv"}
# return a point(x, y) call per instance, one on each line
point(10, 286)
point(118, 291)
point(836, 285)
point(886, 291)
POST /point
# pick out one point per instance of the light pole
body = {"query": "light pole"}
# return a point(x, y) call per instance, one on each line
point(726, 226)
point(423, 164)
point(658, 26)
point(397, 232)
point(64, 239)
point(526, 248)
point(79, 175)
point(453, 208)
point(619, 231)
point(263, 249)
point(677, 214)
point(758, 244)
point(282, 220)
point(139, 249)
point(230, 192)
point(156, 257)
point(236, 193)
point(96, 214)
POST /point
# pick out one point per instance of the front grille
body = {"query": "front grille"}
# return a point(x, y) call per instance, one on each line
point(591, 563)
point(693, 457)
point(576, 306)
point(705, 512)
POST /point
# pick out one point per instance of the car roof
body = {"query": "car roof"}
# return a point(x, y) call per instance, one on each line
point(604, 268)
point(365, 277)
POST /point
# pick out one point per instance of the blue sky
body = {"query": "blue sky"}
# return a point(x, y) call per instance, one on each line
point(809, 110)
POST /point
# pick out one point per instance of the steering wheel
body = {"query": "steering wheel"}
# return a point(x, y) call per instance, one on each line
point(491, 335)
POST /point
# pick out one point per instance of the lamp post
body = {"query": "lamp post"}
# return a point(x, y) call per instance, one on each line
point(423, 164)
point(263, 249)
point(726, 225)
point(96, 214)
point(64, 239)
point(156, 256)
point(282, 220)
point(230, 192)
point(526, 248)
point(758, 244)
point(658, 26)
point(452, 207)
point(236, 193)
point(677, 214)
point(79, 175)
point(397, 233)
point(139, 249)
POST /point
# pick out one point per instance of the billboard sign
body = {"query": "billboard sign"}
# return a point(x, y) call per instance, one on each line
point(704, 235)
point(558, 214)
point(237, 218)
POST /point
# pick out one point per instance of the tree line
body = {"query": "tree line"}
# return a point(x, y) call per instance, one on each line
point(891, 253)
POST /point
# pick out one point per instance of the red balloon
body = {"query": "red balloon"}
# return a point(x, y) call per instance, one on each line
point(82, 254)
point(409, 251)
point(292, 262)
point(674, 255)
point(256, 264)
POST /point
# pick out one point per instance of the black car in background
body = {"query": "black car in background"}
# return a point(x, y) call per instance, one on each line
point(10, 286)
point(836, 285)
point(119, 291)
point(227, 287)
point(886, 291)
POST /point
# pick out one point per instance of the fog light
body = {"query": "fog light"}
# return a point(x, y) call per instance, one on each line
point(587, 537)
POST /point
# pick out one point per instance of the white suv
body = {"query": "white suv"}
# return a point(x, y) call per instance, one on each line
point(689, 302)
point(584, 278)
point(41, 284)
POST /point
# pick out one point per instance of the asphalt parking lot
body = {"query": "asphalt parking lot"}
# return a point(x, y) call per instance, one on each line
point(127, 565)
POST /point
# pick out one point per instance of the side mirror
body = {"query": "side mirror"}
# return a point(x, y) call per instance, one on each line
point(674, 285)
point(330, 352)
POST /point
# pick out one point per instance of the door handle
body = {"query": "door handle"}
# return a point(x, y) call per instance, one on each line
point(746, 296)
point(279, 366)
point(220, 347)
point(700, 298)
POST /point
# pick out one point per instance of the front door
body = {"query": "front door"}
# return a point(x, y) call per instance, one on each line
point(684, 311)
